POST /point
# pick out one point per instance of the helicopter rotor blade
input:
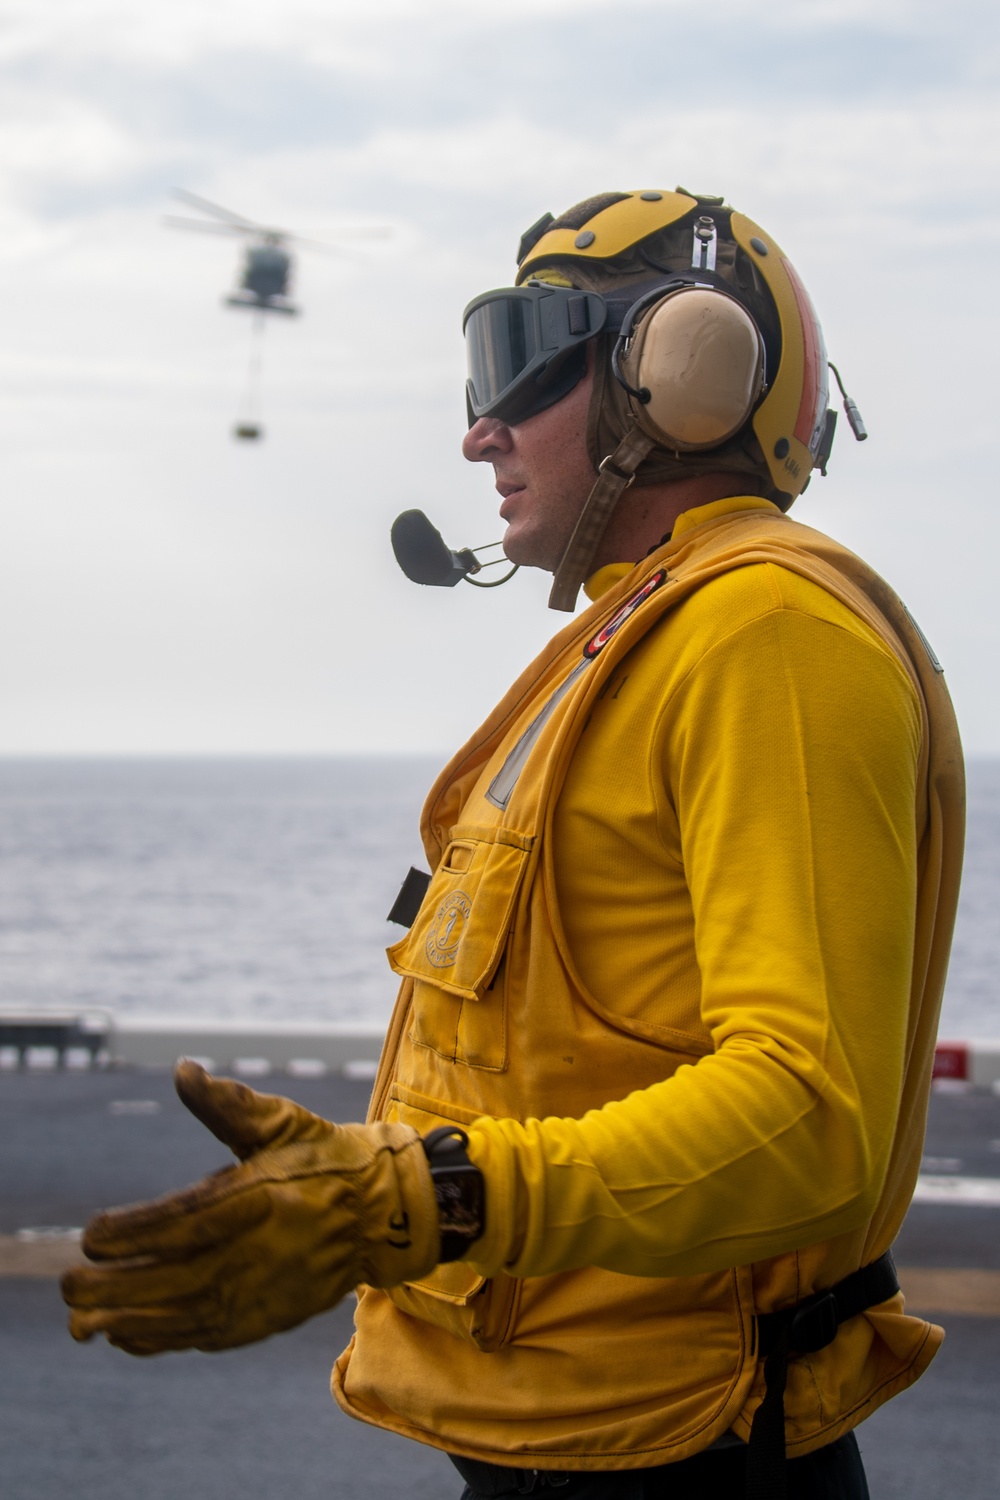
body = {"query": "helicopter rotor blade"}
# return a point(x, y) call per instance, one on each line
point(217, 211)
point(325, 248)
point(174, 221)
point(374, 232)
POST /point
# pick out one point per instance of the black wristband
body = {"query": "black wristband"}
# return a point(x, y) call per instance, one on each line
point(458, 1188)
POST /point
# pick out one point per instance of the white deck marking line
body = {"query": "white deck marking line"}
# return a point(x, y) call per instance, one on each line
point(972, 1192)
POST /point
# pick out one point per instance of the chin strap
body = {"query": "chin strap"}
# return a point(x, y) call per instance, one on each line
point(614, 477)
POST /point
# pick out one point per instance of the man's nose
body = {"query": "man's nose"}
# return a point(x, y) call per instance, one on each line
point(485, 437)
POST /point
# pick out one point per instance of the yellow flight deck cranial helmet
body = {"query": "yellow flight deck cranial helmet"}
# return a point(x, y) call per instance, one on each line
point(709, 355)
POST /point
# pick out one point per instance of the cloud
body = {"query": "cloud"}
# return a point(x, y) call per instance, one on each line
point(168, 588)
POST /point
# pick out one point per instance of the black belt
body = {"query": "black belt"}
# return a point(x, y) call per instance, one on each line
point(494, 1479)
point(803, 1329)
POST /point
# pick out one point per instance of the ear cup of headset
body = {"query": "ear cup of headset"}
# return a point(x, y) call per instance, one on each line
point(700, 356)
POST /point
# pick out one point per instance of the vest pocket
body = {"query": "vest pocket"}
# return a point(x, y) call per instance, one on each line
point(453, 1297)
point(454, 950)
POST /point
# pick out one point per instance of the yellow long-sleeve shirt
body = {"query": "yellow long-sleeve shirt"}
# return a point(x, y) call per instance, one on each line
point(735, 855)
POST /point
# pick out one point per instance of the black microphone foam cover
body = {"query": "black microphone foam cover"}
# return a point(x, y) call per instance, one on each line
point(421, 550)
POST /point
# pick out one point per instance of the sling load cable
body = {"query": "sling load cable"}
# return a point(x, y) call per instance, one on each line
point(248, 425)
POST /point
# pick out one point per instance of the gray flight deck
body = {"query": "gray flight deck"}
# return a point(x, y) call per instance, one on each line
point(88, 1422)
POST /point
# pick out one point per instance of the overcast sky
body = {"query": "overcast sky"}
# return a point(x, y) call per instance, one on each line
point(167, 589)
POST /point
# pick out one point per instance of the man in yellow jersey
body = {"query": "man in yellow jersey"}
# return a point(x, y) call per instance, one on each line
point(651, 1106)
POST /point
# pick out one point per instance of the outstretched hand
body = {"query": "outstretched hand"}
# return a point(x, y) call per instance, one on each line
point(311, 1210)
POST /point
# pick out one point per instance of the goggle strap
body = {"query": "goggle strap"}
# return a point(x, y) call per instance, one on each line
point(615, 475)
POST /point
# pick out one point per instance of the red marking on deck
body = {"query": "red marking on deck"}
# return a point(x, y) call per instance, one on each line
point(951, 1060)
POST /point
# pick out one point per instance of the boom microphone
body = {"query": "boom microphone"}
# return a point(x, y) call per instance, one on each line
point(425, 557)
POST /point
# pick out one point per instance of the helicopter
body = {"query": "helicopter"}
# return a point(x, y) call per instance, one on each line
point(265, 278)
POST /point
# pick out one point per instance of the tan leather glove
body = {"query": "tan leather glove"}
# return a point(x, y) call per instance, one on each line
point(313, 1209)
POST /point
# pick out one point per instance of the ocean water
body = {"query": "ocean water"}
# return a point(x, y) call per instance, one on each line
point(258, 888)
point(218, 888)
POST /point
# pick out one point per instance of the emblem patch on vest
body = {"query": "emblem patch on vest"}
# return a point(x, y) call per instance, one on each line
point(597, 642)
point(446, 930)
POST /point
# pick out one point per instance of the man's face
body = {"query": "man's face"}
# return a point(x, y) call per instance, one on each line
point(543, 473)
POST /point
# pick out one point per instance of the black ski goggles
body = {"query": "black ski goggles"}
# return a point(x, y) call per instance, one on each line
point(526, 347)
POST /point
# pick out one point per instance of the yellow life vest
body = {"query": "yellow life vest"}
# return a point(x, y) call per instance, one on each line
point(590, 1367)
